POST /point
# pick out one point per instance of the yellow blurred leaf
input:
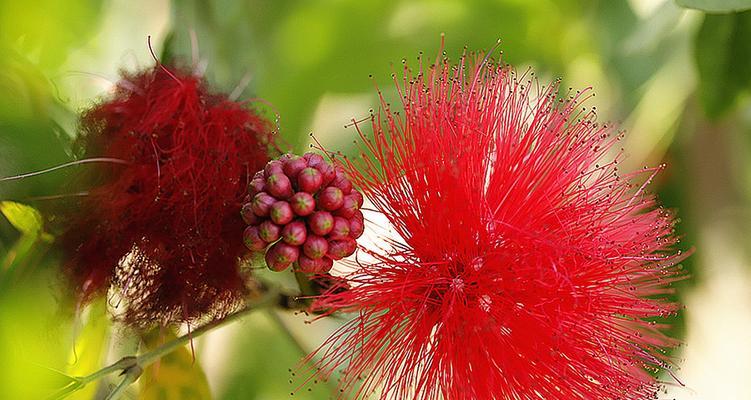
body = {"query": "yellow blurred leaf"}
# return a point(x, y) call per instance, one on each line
point(24, 218)
point(90, 345)
point(175, 377)
point(29, 222)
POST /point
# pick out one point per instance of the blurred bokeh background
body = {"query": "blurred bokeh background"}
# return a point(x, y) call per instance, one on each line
point(676, 78)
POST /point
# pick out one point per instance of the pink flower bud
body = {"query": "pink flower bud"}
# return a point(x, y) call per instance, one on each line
point(315, 247)
point(293, 165)
point(302, 204)
point(314, 266)
point(339, 249)
point(348, 207)
point(342, 182)
point(356, 228)
point(321, 222)
point(281, 213)
point(272, 167)
point(330, 198)
point(327, 172)
point(358, 198)
point(248, 216)
point(268, 231)
point(313, 159)
point(340, 229)
point(262, 204)
point(309, 180)
point(256, 185)
point(281, 255)
point(358, 215)
point(279, 186)
point(295, 233)
point(251, 239)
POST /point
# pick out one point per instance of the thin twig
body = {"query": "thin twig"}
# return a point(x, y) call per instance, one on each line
point(145, 359)
point(131, 375)
point(65, 165)
point(131, 366)
point(121, 365)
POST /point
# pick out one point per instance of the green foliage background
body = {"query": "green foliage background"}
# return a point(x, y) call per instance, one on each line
point(676, 75)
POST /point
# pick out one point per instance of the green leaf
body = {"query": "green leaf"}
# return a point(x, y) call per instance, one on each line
point(176, 376)
point(34, 337)
point(32, 244)
point(48, 30)
point(67, 391)
point(723, 61)
point(716, 6)
point(33, 123)
point(25, 218)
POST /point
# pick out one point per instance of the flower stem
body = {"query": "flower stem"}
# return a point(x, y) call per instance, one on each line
point(132, 366)
point(148, 358)
point(121, 365)
point(131, 375)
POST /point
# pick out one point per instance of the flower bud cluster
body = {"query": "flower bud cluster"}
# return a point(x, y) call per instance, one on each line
point(302, 211)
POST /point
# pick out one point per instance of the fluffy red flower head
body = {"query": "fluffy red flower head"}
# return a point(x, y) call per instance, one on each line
point(523, 267)
point(164, 227)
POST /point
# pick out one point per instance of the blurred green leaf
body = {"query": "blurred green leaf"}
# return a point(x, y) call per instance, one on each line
point(30, 245)
point(175, 376)
point(24, 218)
point(46, 30)
point(34, 338)
point(67, 391)
point(17, 255)
point(723, 60)
point(31, 133)
point(716, 6)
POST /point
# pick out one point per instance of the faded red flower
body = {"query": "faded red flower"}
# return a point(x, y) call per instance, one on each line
point(164, 228)
point(522, 265)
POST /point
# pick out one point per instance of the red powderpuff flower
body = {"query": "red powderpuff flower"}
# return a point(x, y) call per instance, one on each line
point(164, 227)
point(523, 266)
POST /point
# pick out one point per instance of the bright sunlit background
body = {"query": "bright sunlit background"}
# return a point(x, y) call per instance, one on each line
point(675, 79)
